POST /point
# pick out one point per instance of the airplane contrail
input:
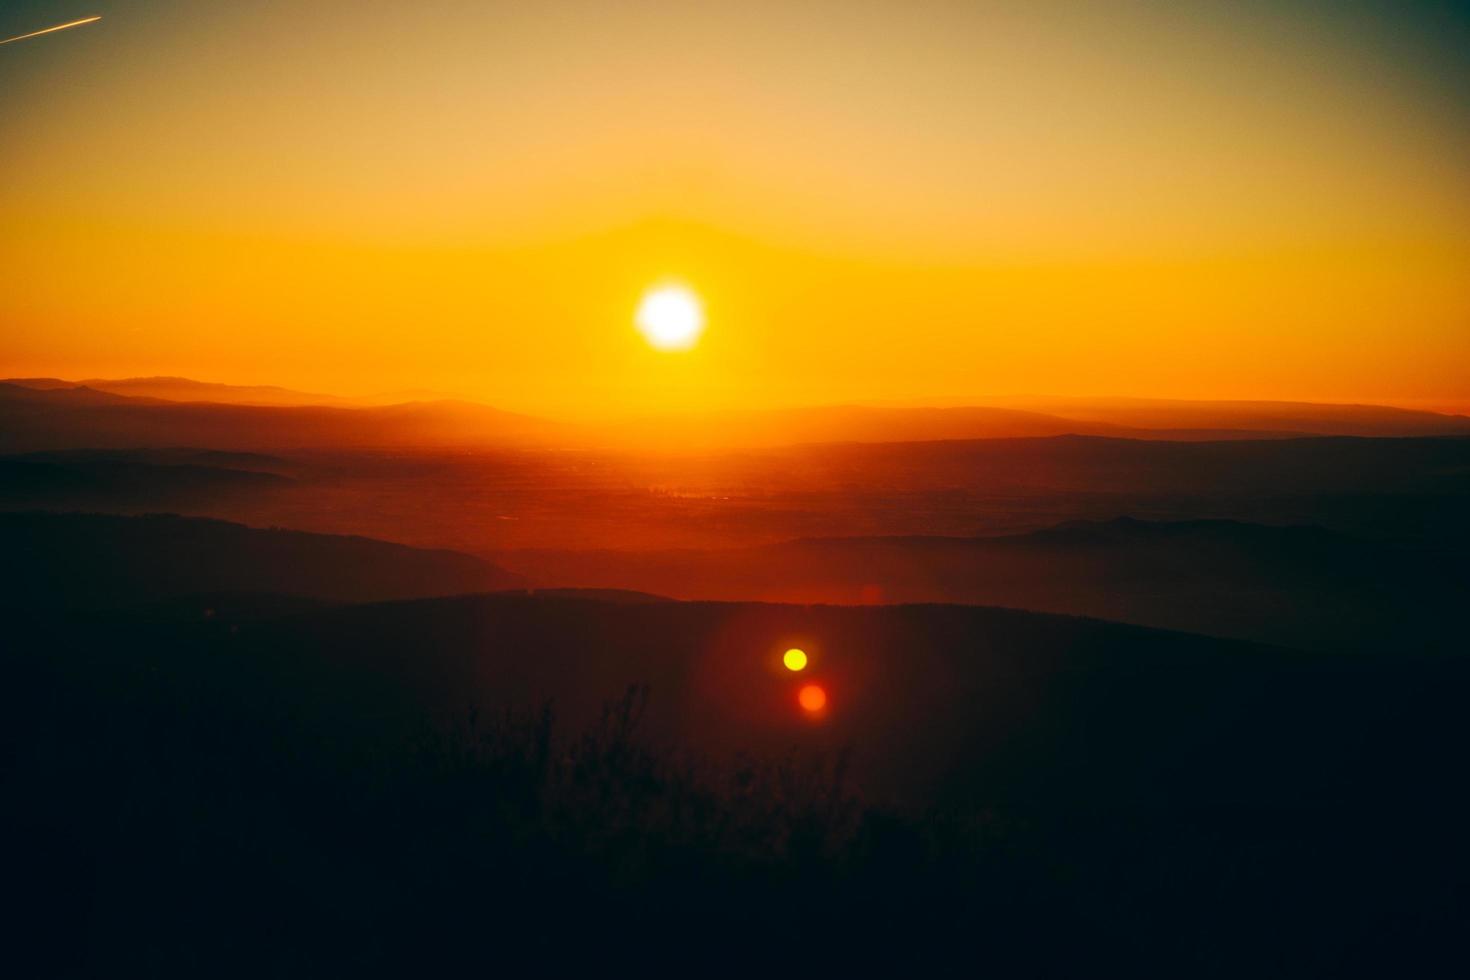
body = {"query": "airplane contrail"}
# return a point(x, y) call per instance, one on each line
point(58, 27)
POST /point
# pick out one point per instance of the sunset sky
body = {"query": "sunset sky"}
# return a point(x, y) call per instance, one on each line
point(874, 201)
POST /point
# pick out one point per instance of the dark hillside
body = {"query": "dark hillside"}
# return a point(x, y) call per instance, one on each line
point(95, 560)
point(1306, 587)
point(1034, 795)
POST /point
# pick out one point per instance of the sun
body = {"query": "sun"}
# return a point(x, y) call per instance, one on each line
point(670, 317)
point(794, 659)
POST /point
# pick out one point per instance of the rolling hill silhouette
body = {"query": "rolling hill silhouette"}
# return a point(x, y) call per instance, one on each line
point(85, 561)
point(1299, 586)
point(1218, 469)
point(129, 480)
point(217, 458)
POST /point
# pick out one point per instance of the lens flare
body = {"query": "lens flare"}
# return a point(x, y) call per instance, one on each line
point(794, 659)
point(812, 698)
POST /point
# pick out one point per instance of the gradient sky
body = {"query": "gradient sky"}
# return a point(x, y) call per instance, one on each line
point(876, 201)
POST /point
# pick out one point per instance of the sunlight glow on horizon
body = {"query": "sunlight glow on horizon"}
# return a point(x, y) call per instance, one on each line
point(908, 201)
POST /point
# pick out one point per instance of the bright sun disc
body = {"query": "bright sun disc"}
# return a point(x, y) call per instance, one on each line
point(671, 318)
point(812, 698)
point(794, 659)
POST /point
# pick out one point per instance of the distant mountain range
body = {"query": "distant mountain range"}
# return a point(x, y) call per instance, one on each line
point(188, 390)
point(48, 413)
point(1257, 416)
point(33, 419)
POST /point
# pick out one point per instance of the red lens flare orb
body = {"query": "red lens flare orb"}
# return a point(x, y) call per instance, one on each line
point(812, 698)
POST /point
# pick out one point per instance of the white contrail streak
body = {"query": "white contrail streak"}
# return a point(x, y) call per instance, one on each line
point(58, 27)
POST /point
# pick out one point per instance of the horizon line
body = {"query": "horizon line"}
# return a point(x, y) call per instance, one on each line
point(429, 395)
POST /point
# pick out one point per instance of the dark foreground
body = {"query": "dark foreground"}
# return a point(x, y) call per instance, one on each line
point(253, 786)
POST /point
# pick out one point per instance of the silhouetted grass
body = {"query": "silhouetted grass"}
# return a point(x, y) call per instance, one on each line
point(178, 808)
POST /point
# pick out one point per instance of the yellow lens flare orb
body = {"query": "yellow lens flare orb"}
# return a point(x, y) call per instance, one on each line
point(794, 659)
point(670, 317)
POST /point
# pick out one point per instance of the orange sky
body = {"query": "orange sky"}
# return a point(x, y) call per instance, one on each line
point(876, 201)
